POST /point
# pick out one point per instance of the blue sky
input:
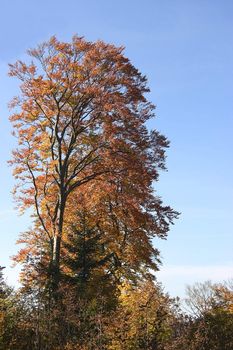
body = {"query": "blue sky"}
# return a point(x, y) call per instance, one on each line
point(186, 50)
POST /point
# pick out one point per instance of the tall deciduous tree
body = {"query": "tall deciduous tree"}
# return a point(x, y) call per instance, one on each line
point(80, 123)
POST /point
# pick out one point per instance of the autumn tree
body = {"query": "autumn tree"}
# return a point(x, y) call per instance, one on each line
point(80, 124)
point(143, 319)
point(208, 296)
point(201, 297)
point(210, 324)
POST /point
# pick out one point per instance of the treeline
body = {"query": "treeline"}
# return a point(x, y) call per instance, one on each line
point(92, 313)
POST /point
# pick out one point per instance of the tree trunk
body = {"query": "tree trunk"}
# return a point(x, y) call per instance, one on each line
point(55, 263)
point(56, 253)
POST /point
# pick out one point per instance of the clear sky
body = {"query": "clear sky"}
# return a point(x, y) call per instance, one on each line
point(186, 50)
